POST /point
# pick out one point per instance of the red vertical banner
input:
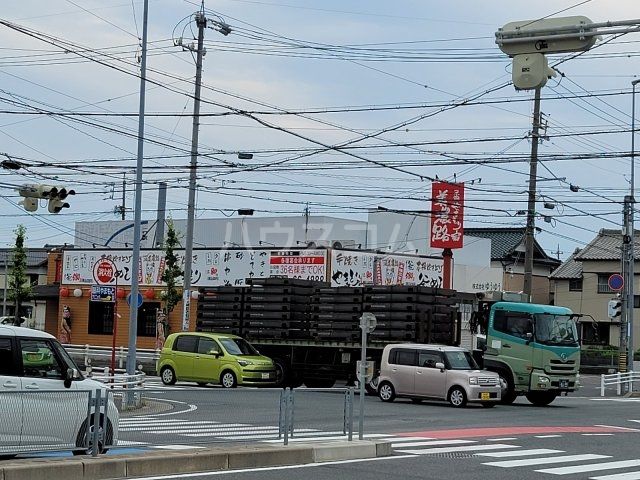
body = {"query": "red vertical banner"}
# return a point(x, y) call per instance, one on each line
point(447, 212)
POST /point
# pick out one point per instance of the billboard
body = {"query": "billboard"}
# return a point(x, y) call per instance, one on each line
point(447, 212)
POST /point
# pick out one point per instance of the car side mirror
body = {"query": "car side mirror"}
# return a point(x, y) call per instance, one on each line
point(70, 376)
point(216, 353)
point(440, 365)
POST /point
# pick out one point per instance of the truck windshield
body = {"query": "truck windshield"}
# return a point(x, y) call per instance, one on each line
point(556, 329)
point(238, 346)
point(460, 361)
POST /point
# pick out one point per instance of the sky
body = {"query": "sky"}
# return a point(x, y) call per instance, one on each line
point(345, 106)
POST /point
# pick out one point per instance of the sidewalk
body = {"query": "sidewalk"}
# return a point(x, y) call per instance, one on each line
point(185, 461)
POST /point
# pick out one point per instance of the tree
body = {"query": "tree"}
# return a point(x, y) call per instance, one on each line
point(19, 287)
point(172, 270)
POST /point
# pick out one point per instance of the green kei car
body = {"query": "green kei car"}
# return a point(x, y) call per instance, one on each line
point(213, 358)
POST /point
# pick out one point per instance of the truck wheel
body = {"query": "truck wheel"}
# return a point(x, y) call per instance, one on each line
point(386, 392)
point(508, 394)
point(282, 373)
point(541, 399)
point(168, 376)
point(457, 397)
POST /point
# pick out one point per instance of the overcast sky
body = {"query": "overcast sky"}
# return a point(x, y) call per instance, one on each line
point(295, 78)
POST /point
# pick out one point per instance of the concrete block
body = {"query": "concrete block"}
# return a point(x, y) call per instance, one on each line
point(172, 463)
point(68, 470)
point(104, 467)
point(383, 448)
point(275, 456)
point(344, 451)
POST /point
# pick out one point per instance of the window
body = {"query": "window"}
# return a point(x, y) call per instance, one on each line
point(7, 364)
point(517, 324)
point(636, 301)
point(39, 360)
point(207, 345)
point(594, 333)
point(101, 318)
point(428, 359)
point(603, 283)
point(186, 343)
point(238, 346)
point(460, 361)
point(575, 284)
point(147, 319)
point(400, 356)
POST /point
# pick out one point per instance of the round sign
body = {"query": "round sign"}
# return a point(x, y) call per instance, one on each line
point(616, 282)
point(140, 300)
point(104, 271)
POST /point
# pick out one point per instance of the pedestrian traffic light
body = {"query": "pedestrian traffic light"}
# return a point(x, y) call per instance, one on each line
point(30, 204)
point(615, 308)
point(56, 205)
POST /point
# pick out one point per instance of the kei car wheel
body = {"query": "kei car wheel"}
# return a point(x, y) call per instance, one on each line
point(228, 379)
point(386, 392)
point(168, 376)
point(457, 397)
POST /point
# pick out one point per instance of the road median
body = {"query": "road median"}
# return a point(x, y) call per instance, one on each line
point(216, 458)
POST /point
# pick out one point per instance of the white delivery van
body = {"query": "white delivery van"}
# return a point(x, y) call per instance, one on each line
point(44, 399)
point(420, 371)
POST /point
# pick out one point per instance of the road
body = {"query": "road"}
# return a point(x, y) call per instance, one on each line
point(581, 436)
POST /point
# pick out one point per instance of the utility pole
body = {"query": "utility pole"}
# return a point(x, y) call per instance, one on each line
point(124, 193)
point(531, 204)
point(201, 22)
point(135, 257)
point(632, 233)
point(627, 294)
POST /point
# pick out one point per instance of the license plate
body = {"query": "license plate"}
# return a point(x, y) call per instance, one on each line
point(485, 396)
point(265, 376)
point(564, 383)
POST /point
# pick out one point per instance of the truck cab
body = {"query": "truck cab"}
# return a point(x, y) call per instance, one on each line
point(534, 348)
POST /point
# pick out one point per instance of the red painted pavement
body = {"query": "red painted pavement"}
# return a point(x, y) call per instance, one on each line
point(510, 431)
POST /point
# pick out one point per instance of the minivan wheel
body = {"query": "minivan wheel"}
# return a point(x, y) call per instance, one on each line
point(85, 439)
point(372, 386)
point(386, 392)
point(457, 397)
point(168, 376)
point(228, 379)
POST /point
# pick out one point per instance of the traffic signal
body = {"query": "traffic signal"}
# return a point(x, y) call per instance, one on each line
point(614, 308)
point(55, 194)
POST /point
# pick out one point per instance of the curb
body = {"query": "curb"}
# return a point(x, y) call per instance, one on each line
point(202, 460)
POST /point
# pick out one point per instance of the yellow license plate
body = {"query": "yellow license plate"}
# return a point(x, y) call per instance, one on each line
point(485, 396)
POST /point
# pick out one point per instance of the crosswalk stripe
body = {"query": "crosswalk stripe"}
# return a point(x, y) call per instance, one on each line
point(618, 476)
point(207, 431)
point(334, 436)
point(547, 436)
point(520, 453)
point(242, 433)
point(545, 460)
point(429, 443)
point(166, 422)
point(593, 467)
point(410, 439)
point(465, 448)
point(505, 439)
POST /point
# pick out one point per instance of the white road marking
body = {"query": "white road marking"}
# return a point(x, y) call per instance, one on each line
point(547, 436)
point(545, 460)
point(466, 448)
point(520, 453)
point(338, 436)
point(596, 434)
point(410, 439)
point(619, 428)
point(619, 476)
point(178, 447)
point(593, 467)
point(429, 443)
point(505, 439)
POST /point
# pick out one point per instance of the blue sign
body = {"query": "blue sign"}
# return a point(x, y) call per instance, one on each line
point(616, 282)
point(101, 293)
point(139, 299)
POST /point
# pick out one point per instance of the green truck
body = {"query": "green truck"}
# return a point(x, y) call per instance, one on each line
point(534, 348)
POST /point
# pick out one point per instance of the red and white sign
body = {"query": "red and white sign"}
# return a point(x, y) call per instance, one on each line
point(447, 207)
point(104, 271)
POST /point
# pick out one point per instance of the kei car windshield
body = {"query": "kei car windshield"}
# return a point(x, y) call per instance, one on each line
point(556, 329)
point(460, 361)
point(238, 346)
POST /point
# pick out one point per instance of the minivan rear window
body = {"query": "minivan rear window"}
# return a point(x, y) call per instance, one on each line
point(7, 365)
point(186, 343)
point(402, 356)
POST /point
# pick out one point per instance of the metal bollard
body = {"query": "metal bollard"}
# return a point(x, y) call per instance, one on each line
point(292, 409)
point(619, 386)
point(96, 425)
point(345, 409)
point(351, 399)
point(286, 417)
point(602, 385)
point(281, 413)
point(121, 357)
point(87, 360)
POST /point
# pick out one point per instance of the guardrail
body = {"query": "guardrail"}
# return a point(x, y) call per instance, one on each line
point(89, 352)
point(618, 379)
point(119, 379)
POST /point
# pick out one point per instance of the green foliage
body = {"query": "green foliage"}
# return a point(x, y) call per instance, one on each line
point(172, 271)
point(19, 288)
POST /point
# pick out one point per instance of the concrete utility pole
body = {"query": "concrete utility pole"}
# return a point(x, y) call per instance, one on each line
point(627, 293)
point(201, 22)
point(531, 204)
point(135, 258)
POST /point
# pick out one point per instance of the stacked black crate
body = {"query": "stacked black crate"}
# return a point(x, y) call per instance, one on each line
point(335, 313)
point(438, 316)
point(277, 308)
point(396, 311)
point(220, 310)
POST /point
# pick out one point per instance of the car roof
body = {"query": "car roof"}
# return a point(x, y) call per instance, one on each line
point(12, 331)
point(428, 346)
point(207, 334)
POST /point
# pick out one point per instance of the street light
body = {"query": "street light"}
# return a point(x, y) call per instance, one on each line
point(631, 265)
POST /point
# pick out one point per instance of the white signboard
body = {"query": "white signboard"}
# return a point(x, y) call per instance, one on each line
point(210, 267)
point(354, 269)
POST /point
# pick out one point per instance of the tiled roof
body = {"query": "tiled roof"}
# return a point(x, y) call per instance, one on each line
point(607, 245)
point(36, 257)
point(504, 242)
point(570, 268)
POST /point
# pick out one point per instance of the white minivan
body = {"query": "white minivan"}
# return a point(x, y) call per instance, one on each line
point(44, 399)
point(439, 372)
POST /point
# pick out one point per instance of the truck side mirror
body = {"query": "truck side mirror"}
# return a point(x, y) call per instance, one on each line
point(440, 365)
point(529, 336)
